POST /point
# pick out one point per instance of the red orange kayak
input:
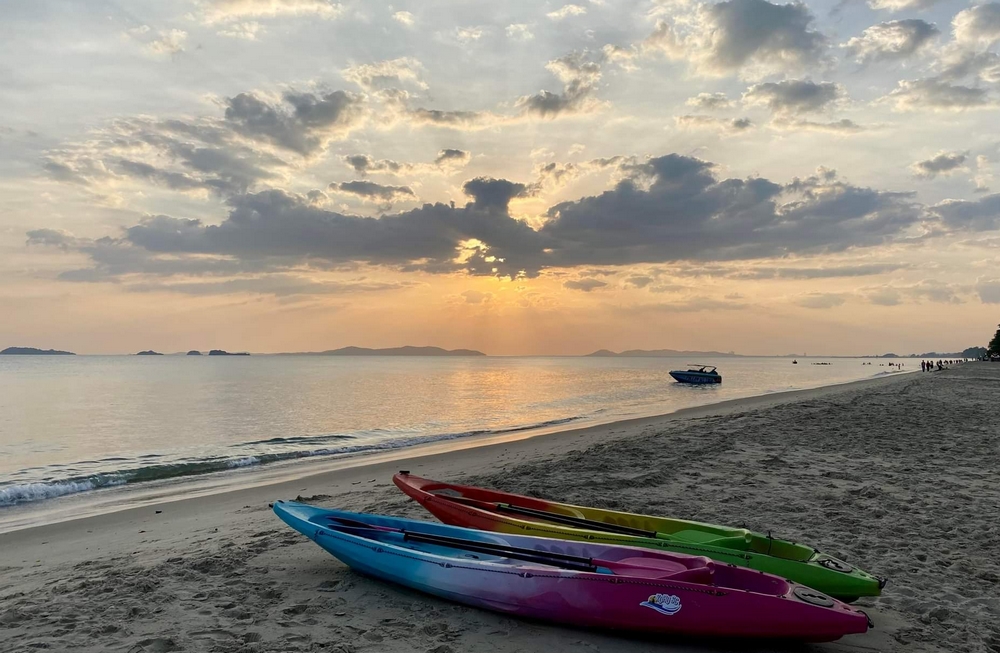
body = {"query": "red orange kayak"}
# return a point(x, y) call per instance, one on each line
point(473, 507)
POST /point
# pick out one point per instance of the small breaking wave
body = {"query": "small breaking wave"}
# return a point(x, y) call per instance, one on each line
point(12, 494)
point(27, 492)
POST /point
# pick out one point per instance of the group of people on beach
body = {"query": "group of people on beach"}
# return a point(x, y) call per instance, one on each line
point(929, 366)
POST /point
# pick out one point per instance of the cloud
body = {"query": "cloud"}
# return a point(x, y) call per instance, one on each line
point(382, 74)
point(170, 42)
point(754, 37)
point(843, 271)
point(639, 280)
point(164, 43)
point(978, 26)
point(404, 17)
point(248, 31)
point(959, 63)
point(300, 122)
point(476, 296)
point(988, 291)
point(885, 296)
point(370, 191)
point(984, 174)
point(469, 34)
point(586, 285)
point(935, 291)
point(554, 174)
point(579, 72)
point(446, 160)
point(364, 164)
point(927, 290)
point(567, 11)
point(710, 101)
point(693, 305)
point(451, 157)
point(843, 127)
point(892, 40)
point(666, 209)
point(943, 163)
point(469, 120)
point(734, 125)
point(900, 5)
point(176, 180)
point(673, 208)
point(519, 32)
point(278, 285)
point(793, 96)
point(936, 95)
point(52, 238)
point(488, 193)
point(186, 155)
point(980, 215)
point(213, 11)
point(820, 300)
point(274, 229)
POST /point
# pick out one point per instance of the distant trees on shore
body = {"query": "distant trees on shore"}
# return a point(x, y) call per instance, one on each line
point(994, 346)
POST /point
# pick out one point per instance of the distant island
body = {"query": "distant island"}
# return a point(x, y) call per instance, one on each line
point(31, 351)
point(389, 351)
point(222, 352)
point(660, 353)
point(194, 352)
point(149, 352)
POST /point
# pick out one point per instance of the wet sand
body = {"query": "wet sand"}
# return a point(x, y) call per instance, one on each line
point(897, 475)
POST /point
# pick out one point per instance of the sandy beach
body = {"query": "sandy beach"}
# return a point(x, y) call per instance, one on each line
point(896, 475)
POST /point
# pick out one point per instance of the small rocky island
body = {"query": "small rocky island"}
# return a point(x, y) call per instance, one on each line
point(223, 352)
point(149, 352)
point(194, 352)
point(31, 351)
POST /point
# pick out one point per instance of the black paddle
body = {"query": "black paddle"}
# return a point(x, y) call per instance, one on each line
point(555, 518)
point(551, 558)
point(592, 524)
point(575, 563)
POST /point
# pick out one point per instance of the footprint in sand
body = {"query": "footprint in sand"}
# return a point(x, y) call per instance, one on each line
point(213, 635)
point(155, 645)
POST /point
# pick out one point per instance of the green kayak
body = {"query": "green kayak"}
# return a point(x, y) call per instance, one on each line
point(502, 512)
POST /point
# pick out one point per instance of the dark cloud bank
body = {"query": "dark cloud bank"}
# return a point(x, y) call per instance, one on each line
point(666, 209)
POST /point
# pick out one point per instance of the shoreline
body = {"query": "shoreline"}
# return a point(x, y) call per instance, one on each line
point(94, 503)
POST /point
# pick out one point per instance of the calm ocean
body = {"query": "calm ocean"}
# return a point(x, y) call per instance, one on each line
point(85, 424)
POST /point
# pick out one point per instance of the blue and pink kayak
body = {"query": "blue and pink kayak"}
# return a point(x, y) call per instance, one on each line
point(576, 583)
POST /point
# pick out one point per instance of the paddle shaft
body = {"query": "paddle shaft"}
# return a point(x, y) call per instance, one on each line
point(556, 518)
point(575, 563)
point(551, 558)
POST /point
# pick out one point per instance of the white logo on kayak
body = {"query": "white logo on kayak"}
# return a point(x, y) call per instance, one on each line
point(667, 604)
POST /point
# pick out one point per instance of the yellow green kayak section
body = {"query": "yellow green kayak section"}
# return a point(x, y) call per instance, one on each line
point(502, 512)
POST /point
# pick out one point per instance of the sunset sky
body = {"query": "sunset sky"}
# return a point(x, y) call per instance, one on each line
point(518, 177)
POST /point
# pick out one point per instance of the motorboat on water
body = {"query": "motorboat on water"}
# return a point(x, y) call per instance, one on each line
point(697, 374)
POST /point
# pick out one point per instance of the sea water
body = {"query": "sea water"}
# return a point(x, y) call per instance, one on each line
point(76, 424)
